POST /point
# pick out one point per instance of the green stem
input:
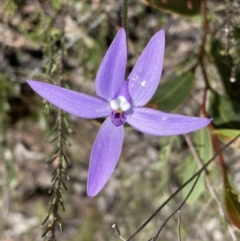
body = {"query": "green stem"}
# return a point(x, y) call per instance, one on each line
point(125, 16)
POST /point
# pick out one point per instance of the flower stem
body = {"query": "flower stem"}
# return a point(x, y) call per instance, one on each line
point(125, 16)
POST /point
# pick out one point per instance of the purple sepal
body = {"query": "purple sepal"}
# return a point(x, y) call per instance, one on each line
point(146, 74)
point(157, 123)
point(111, 72)
point(104, 157)
point(73, 102)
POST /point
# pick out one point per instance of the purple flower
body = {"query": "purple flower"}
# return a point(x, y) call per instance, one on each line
point(120, 101)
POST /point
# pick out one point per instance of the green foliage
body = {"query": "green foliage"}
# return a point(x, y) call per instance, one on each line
point(225, 135)
point(162, 165)
point(236, 32)
point(203, 144)
point(10, 7)
point(173, 92)
point(225, 65)
point(225, 112)
point(56, 4)
point(181, 7)
point(4, 92)
point(190, 169)
point(232, 204)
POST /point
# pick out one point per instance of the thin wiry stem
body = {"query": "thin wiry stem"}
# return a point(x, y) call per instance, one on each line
point(180, 206)
point(179, 225)
point(125, 16)
point(180, 188)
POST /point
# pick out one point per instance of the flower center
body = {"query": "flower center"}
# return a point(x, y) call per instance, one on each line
point(119, 106)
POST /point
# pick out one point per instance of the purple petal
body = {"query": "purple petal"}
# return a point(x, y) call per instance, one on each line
point(111, 72)
point(146, 74)
point(75, 103)
point(158, 123)
point(104, 157)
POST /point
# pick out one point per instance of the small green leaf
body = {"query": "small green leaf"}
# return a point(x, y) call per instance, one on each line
point(225, 113)
point(51, 207)
point(64, 172)
point(67, 126)
point(60, 225)
point(191, 168)
point(224, 64)
point(64, 185)
point(203, 144)
point(51, 159)
point(52, 188)
point(46, 233)
point(53, 197)
point(62, 205)
point(226, 135)
point(54, 139)
point(65, 141)
point(173, 92)
point(181, 7)
point(64, 160)
point(232, 204)
point(54, 177)
point(45, 220)
point(54, 129)
point(55, 171)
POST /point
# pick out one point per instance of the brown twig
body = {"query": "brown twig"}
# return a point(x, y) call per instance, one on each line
point(207, 83)
point(211, 127)
point(205, 28)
